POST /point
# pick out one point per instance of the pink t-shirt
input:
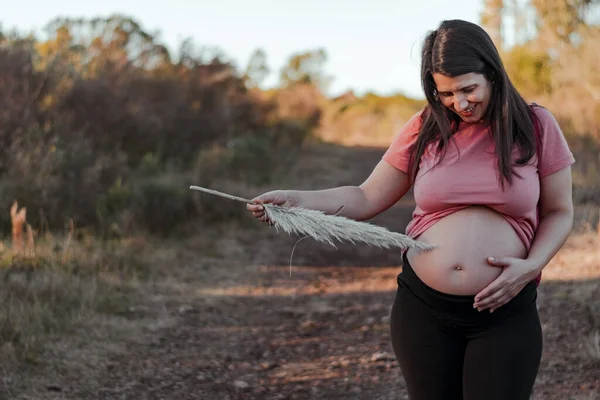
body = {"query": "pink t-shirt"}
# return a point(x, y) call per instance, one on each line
point(468, 175)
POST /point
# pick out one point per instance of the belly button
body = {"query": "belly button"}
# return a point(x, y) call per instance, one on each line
point(458, 268)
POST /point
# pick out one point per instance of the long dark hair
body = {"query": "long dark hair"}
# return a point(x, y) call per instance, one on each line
point(460, 47)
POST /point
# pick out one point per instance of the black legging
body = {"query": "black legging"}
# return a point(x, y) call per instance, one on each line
point(448, 350)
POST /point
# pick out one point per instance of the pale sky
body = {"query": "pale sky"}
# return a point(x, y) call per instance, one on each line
point(372, 45)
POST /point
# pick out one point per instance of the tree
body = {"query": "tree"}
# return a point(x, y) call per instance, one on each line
point(306, 67)
point(558, 21)
point(116, 41)
point(491, 20)
point(530, 70)
point(257, 69)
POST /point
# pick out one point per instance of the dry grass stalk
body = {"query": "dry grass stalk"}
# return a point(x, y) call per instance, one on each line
point(30, 245)
point(18, 219)
point(327, 228)
point(67, 245)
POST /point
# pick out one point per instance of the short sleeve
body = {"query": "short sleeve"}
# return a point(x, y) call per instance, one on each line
point(398, 153)
point(555, 153)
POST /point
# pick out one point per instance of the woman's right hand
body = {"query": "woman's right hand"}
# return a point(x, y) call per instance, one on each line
point(277, 197)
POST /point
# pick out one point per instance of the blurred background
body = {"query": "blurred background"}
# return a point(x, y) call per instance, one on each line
point(102, 101)
point(109, 112)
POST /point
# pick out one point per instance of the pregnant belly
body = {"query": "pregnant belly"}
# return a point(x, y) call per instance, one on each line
point(465, 240)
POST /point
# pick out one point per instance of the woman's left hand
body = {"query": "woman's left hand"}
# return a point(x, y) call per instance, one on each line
point(517, 272)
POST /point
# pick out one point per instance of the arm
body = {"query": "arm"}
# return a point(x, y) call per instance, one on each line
point(384, 187)
point(388, 182)
point(556, 220)
point(556, 217)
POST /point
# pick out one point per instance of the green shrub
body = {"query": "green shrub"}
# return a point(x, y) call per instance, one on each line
point(160, 207)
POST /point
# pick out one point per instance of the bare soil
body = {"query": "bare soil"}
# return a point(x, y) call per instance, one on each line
point(228, 321)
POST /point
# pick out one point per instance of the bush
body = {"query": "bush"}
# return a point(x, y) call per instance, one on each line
point(160, 207)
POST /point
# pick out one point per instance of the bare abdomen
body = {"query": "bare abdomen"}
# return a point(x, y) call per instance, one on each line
point(465, 240)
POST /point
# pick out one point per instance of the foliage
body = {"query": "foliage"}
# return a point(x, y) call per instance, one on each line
point(530, 70)
point(306, 68)
point(102, 125)
point(557, 65)
point(100, 107)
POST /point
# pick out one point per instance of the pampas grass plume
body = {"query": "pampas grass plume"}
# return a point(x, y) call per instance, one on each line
point(326, 228)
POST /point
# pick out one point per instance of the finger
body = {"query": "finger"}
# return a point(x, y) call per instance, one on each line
point(266, 219)
point(508, 297)
point(492, 304)
point(489, 291)
point(488, 301)
point(498, 261)
point(495, 290)
point(258, 214)
point(502, 301)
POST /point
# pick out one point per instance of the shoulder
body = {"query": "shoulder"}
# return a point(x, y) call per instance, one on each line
point(546, 124)
point(398, 153)
point(543, 115)
point(555, 152)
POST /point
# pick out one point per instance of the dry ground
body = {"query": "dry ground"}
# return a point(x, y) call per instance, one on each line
point(228, 322)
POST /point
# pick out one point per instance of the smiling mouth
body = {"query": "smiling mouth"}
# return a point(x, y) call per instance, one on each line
point(468, 111)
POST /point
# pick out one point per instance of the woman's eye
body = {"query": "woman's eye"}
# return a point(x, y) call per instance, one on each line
point(468, 90)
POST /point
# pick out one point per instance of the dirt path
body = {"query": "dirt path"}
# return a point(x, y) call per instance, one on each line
point(237, 326)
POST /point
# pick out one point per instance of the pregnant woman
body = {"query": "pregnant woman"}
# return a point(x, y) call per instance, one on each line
point(491, 177)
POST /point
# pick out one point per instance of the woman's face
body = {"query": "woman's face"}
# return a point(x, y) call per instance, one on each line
point(467, 95)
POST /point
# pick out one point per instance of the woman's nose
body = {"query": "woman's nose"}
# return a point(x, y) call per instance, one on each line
point(460, 103)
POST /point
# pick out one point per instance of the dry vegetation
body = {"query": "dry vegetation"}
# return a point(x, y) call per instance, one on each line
point(118, 282)
point(215, 313)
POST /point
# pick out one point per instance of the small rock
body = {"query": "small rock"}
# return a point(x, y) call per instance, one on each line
point(350, 348)
point(308, 324)
point(385, 319)
point(185, 309)
point(201, 377)
point(267, 366)
point(370, 321)
point(345, 363)
point(241, 384)
point(382, 356)
point(292, 312)
point(54, 388)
